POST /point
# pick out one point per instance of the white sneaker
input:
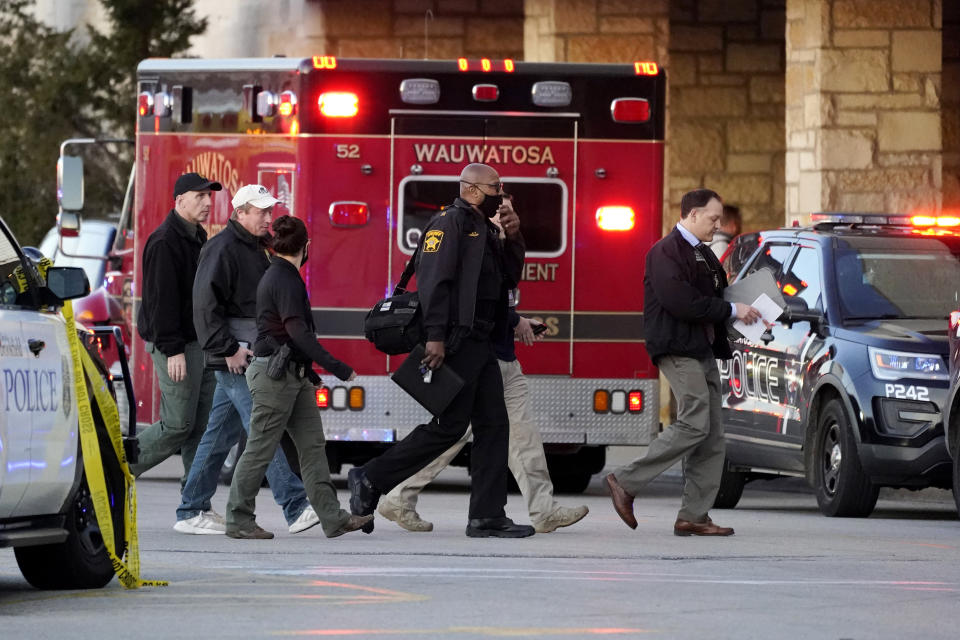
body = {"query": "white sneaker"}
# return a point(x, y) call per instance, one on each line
point(216, 517)
point(307, 519)
point(202, 524)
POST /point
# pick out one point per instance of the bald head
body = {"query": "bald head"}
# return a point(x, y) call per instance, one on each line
point(475, 176)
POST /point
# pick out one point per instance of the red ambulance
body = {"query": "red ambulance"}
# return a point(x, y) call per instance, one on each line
point(366, 151)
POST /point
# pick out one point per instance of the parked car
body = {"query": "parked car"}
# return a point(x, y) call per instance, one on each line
point(46, 509)
point(951, 418)
point(848, 389)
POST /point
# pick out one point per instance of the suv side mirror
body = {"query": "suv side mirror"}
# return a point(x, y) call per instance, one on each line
point(67, 283)
point(798, 311)
point(70, 183)
point(68, 224)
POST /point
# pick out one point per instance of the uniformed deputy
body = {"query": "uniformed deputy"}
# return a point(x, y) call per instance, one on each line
point(464, 273)
point(284, 318)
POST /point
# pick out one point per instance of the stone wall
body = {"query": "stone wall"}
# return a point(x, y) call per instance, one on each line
point(950, 106)
point(863, 87)
point(596, 30)
point(726, 132)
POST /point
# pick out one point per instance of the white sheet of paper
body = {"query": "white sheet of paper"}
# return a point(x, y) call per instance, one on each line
point(769, 311)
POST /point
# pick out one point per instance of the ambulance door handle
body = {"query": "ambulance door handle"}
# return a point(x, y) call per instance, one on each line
point(36, 346)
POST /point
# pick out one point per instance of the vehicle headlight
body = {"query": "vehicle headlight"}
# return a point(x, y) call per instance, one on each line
point(893, 365)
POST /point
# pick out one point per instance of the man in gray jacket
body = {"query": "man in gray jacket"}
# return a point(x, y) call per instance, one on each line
point(224, 314)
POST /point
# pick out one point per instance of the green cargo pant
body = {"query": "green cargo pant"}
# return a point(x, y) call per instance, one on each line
point(287, 404)
point(184, 407)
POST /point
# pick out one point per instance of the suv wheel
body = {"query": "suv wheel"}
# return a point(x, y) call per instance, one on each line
point(731, 488)
point(956, 479)
point(842, 488)
point(79, 562)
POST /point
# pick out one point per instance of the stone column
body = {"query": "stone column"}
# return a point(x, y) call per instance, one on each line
point(950, 107)
point(863, 106)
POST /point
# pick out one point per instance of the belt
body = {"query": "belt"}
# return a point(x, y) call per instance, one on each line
point(296, 368)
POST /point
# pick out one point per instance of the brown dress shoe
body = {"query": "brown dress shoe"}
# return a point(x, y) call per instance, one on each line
point(622, 501)
point(706, 528)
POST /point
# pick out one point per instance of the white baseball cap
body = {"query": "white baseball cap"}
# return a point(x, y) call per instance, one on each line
point(255, 194)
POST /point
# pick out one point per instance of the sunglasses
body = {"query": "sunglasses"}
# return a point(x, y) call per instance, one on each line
point(495, 185)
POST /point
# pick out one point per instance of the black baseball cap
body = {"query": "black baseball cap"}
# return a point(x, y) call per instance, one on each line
point(194, 182)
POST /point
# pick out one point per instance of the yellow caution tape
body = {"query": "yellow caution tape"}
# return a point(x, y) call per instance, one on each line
point(128, 573)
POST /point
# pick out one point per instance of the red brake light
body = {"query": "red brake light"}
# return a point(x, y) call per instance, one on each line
point(323, 397)
point(145, 103)
point(615, 218)
point(349, 214)
point(630, 110)
point(339, 104)
point(288, 103)
point(635, 401)
point(485, 92)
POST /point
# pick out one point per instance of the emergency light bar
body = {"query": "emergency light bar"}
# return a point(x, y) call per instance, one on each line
point(886, 219)
point(485, 65)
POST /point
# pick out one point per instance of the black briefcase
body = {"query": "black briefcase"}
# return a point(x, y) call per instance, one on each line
point(435, 396)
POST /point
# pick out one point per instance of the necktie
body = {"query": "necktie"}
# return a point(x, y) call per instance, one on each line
point(702, 250)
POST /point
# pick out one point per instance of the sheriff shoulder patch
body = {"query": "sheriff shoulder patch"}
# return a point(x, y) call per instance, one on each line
point(431, 243)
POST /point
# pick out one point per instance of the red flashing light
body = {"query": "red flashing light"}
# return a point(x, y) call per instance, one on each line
point(790, 290)
point(485, 64)
point(615, 218)
point(630, 110)
point(462, 64)
point(646, 68)
point(486, 92)
point(508, 65)
point(349, 214)
point(324, 62)
point(935, 221)
point(145, 104)
point(339, 104)
point(635, 401)
point(323, 397)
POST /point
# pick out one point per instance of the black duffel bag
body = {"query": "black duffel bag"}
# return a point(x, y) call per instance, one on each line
point(395, 324)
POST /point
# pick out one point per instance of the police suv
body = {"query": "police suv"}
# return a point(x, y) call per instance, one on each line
point(46, 512)
point(952, 414)
point(848, 387)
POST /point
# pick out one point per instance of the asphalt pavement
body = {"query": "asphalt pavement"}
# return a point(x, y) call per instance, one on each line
point(788, 572)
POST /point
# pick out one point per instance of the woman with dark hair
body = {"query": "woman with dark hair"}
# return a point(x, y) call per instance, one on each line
point(284, 320)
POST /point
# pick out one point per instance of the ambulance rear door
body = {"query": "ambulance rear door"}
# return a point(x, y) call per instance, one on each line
point(535, 155)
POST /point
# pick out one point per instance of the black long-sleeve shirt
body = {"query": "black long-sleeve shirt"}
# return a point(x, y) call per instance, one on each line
point(170, 260)
point(284, 316)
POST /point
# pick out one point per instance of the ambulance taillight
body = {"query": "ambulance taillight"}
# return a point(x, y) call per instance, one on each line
point(615, 218)
point(145, 103)
point(323, 397)
point(339, 104)
point(288, 103)
point(635, 401)
point(630, 110)
point(486, 92)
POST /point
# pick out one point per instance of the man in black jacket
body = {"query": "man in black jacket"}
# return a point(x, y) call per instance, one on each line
point(224, 313)
point(464, 275)
point(165, 322)
point(685, 319)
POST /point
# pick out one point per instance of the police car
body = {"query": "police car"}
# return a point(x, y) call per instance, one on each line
point(46, 512)
point(848, 388)
point(952, 414)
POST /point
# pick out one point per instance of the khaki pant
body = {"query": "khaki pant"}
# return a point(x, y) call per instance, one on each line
point(278, 405)
point(525, 455)
point(696, 438)
point(184, 408)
